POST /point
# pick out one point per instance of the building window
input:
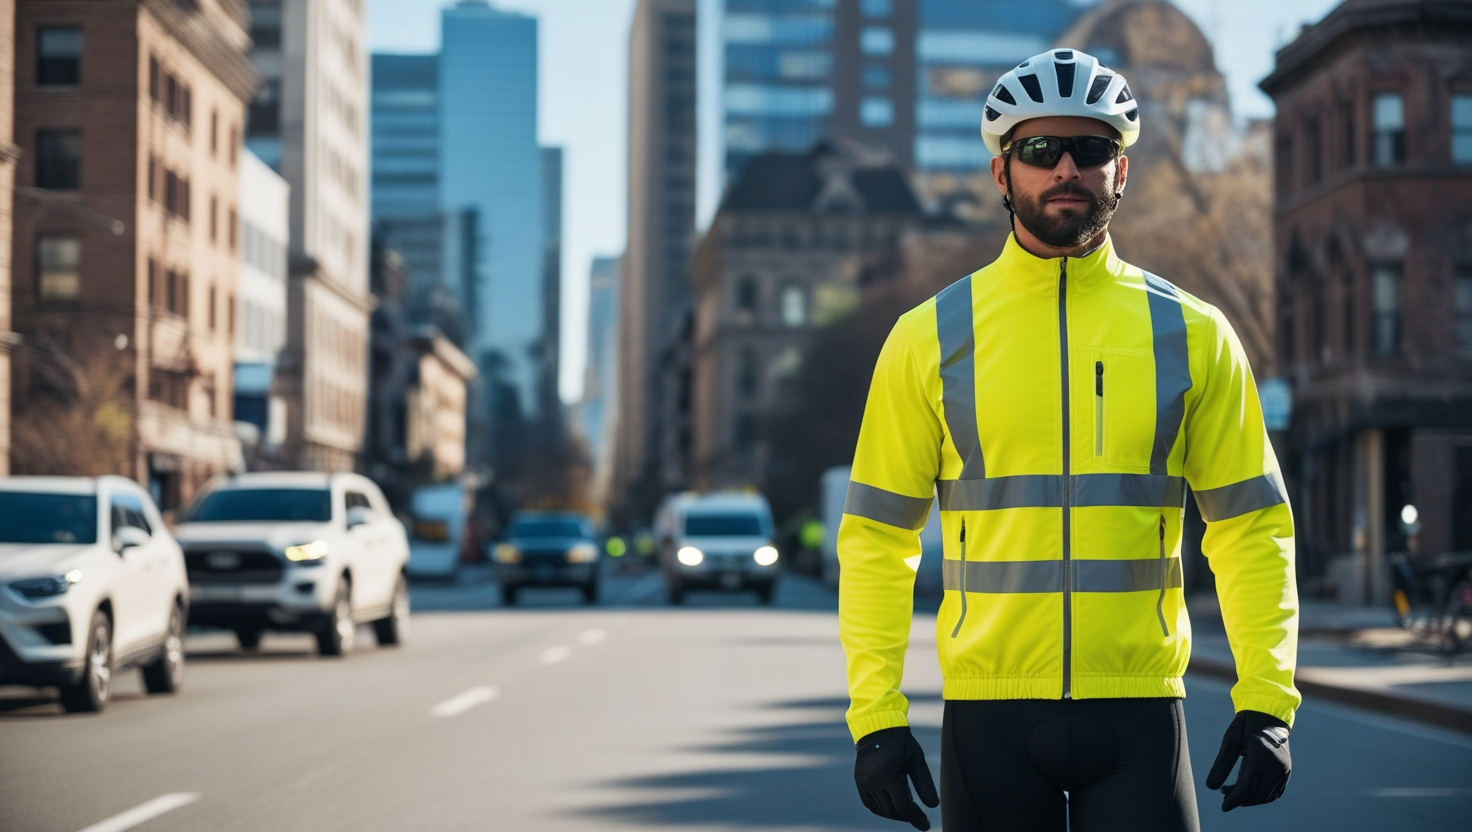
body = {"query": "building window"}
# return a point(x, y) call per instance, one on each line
point(876, 40)
point(214, 218)
point(1390, 129)
point(1350, 344)
point(1462, 286)
point(745, 438)
point(1387, 310)
point(155, 79)
point(748, 373)
point(176, 195)
point(211, 314)
point(1347, 131)
point(58, 55)
point(746, 300)
point(794, 305)
point(876, 112)
point(58, 159)
point(214, 131)
point(265, 25)
point(876, 77)
point(234, 143)
point(58, 267)
point(876, 8)
point(1462, 129)
point(152, 282)
point(263, 118)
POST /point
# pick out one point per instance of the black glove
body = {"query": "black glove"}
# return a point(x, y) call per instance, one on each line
point(1262, 743)
point(885, 759)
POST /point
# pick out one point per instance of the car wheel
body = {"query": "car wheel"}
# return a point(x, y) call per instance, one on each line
point(90, 693)
point(590, 592)
point(765, 591)
point(335, 638)
point(250, 639)
point(390, 630)
point(165, 674)
point(677, 592)
point(508, 595)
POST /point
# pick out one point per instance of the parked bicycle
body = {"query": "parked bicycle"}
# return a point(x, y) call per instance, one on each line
point(1433, 599)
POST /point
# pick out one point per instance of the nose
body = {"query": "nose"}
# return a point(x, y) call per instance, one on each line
point(1066, 169)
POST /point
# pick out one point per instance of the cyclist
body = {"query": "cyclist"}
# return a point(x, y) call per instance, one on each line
point(1058, 402)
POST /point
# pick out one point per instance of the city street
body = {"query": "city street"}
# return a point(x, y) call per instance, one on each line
point(554, 715)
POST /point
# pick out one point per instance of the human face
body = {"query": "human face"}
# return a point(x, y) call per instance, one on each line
point(1063, 210)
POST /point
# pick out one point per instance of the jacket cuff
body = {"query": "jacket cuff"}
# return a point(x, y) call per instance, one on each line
point(863, 726)
point(1267, 705)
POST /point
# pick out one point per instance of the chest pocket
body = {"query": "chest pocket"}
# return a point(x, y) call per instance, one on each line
point(1123, 407)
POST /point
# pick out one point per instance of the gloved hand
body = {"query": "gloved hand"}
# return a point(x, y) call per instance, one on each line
point(885, 759)
point(1262, 743)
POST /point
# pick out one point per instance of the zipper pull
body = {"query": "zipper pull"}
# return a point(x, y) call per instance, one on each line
point(1099, 378)
point(963, 529)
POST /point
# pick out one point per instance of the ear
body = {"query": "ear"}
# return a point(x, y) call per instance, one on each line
point(1121, 174)
point(999, 174)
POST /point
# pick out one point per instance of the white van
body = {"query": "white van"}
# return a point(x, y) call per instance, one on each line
point(437, 529)
point(723, 540)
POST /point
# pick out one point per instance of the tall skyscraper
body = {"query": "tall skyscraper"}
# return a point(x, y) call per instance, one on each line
point(653, 438)
point(491, 189)
point(550, 353)
point(598, 408)
point(406, 167)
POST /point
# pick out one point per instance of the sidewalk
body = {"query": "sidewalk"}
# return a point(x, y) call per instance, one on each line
point(1356, 656)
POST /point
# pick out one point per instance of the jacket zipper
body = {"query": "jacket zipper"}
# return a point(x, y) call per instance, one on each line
point(1098, 408)
point(963, 580)
point(1164, 572)
point(1067, 491)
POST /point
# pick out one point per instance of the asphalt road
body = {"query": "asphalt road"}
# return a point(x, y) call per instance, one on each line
point(555, 716)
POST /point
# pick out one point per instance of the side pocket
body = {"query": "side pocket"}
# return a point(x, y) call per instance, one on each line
point(962, 619)
point(1164, 581)
point(1098, 409)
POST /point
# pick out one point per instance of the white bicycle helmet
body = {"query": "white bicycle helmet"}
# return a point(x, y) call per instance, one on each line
point(1060, 82)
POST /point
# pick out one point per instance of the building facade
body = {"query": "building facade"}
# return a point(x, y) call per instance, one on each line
point(654, 293)
point(549, 352)
point(782, 257)
point(126, 245)
point(491, 190)
point(260, 309)
point(598, 410)
point(309, 122)
point(8, 155)
point(1373, 244)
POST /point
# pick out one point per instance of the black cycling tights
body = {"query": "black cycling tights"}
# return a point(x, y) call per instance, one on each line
point(1005, 766)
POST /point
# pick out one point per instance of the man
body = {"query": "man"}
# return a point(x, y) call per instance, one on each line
point(1058, 402)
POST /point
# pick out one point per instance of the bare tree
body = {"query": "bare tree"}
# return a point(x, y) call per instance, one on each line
point(77, 416)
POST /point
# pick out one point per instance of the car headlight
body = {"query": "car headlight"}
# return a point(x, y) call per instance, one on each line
point(307, 553)
point(507, 553)
point(765, 556)
point(582, 553)
point(47, 587)
point(690, 556)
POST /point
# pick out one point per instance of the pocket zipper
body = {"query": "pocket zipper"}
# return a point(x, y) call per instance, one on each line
point(1164, 574)
point(963, 579)
point(1098, 408)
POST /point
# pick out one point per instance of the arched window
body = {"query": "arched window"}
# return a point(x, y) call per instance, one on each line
point(746, 300)
point(794, 305)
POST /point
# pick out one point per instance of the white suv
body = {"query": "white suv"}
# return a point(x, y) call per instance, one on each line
point(90, 582)
point(300, 551)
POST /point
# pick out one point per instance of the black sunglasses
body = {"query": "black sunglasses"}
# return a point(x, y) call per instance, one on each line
point(1045, 151)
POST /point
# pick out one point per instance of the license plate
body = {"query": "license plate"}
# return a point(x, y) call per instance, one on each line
point(546, 573)
point(731, 580)
point(216, 593)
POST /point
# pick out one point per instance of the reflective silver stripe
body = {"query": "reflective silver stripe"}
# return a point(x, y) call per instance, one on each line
point(953, 326)
point(1039, 490)
point(1004, 576)
point(1239, 498)
point(1172, 372)
point(886, 507)
point(1046, 491)
point(1018, 576)
point(1148, 490)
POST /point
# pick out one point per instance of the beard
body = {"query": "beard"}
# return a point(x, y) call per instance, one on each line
point(1071, 228)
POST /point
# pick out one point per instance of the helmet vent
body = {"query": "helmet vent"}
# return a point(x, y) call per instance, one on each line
point(1034, 89)
point(1024, 63)
point(1065, 79)
point(1124, 95)
point(1063, 54)
point(992, 115)
point(1004, 95)
point(1133, 114)
point(1096, 91)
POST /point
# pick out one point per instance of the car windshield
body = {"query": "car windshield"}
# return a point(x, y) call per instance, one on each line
point(249, 505)
point(47, 518)
point(723, 525)
point(547, 528)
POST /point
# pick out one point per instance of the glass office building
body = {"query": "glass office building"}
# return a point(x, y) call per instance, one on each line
point(406, 164)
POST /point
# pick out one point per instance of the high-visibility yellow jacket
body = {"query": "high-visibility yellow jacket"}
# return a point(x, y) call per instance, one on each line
point(1058, 409)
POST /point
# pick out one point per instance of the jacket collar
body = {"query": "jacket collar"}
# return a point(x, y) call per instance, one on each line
point(1039, 275)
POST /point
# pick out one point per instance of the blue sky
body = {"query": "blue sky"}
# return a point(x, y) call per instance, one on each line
point(583, 68)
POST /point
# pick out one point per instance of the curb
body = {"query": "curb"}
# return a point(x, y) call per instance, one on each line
point(1420, 710)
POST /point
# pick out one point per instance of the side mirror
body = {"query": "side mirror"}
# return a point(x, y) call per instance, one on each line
point(127, 537)
point(359, 516)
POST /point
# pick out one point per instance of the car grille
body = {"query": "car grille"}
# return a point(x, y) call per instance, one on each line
point(543, 556)
point(728, 560)
point(232, 565)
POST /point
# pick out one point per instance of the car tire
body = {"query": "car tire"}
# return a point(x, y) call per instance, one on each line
point(765, 591)
point(336, 635)
point(508, 595)
point(249, 638)
point(90, 693)
point(677, 592)
point(590, 593)
point(165, 674)
point(390, 630)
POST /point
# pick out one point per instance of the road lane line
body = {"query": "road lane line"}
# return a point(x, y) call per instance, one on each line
point(1419, 792)
point(144, 813)
point(588, 638)
point(553, 655)
point(457, 705)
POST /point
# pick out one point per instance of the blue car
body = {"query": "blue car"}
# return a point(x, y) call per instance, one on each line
point(552, 549)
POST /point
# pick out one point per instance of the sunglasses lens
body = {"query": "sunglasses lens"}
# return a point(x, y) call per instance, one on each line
point(1092, 151)
point(1042, 151)
point(1087, 151)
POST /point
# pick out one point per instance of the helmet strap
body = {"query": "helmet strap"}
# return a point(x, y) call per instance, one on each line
point(1007, 198)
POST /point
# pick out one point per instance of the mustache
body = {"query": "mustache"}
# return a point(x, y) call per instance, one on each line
point(1068, 189)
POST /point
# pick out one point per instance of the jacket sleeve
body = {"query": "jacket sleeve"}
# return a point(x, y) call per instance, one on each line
point(1234, 475)
point(889, 498)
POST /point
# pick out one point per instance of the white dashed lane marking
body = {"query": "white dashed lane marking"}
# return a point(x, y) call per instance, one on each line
point(553, 655)
point(588, 638)
point(144, 813)
point(458, 705)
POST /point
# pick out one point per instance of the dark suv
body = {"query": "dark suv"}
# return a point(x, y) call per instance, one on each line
point(548, 549)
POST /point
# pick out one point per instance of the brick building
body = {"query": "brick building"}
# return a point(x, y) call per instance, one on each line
point(1373, 157)
point(8, 154)
point(129, 115)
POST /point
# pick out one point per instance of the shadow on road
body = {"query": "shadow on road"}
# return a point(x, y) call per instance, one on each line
point(756, 790)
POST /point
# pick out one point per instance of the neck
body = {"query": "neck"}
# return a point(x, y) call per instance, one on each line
point(1037, 248)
